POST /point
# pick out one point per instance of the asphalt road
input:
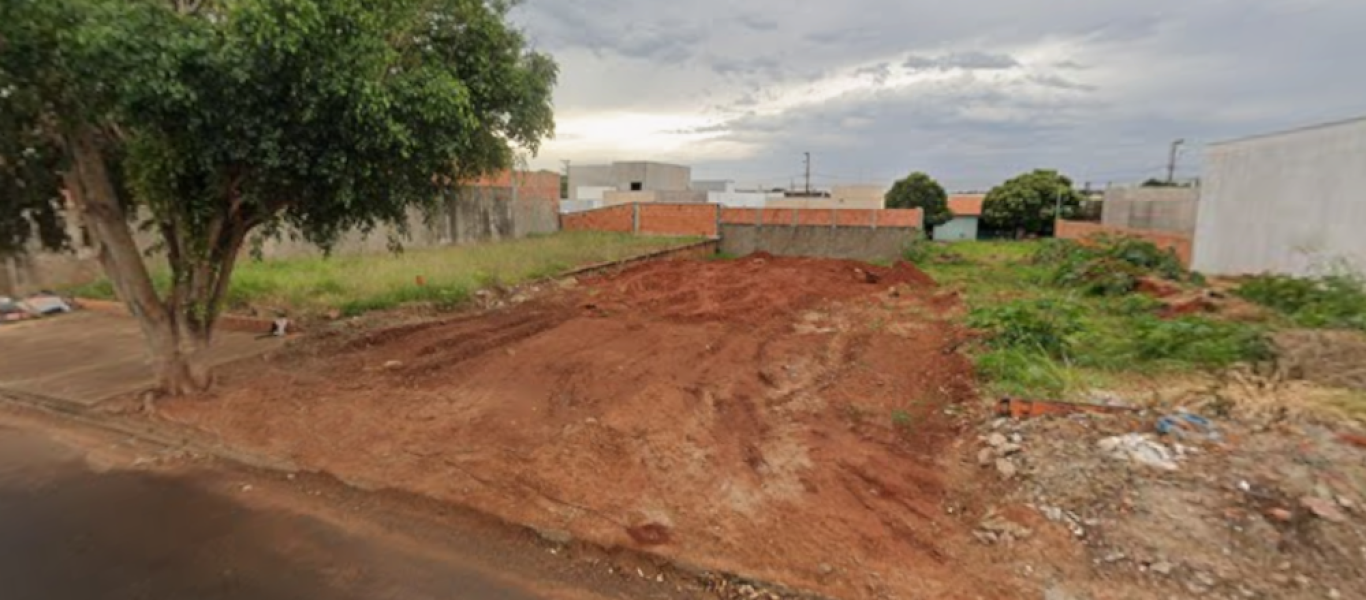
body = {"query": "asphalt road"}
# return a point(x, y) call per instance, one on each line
point(68, 531)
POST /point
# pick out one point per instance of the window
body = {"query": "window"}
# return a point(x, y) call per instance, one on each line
point(637, 186)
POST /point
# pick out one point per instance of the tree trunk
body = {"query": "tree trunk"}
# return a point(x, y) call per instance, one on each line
point(93, 190)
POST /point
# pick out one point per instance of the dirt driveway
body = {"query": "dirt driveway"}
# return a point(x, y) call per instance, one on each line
point(86, 357)
point(780, 418)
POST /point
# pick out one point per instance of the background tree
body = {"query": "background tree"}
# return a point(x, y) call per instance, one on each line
point(919, 190)
point(1028, 204)
point(203, 122)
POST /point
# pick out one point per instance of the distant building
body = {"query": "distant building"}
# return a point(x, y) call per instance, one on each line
point(840, 196)
point(591, 182)
point(967, 211)
point(1290, 202)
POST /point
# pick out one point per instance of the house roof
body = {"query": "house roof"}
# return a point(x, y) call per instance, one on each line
point(966, 205)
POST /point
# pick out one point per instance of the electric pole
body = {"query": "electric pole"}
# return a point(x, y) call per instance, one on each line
point(1171, 161)
point(808, 173)
point(564, 189)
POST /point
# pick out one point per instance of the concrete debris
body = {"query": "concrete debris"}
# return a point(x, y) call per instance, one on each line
point(1323, 509)
point(1161, 568)
point(996, 440)
point(986, 456)
point(1008, 449)
point(1006, 468)
point(1139, 448)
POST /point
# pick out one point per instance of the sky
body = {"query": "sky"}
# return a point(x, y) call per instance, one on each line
point(971, 92)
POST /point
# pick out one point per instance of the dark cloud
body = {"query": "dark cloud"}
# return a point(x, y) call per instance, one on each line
point(758, 22)
point(998, 86)
point(974, 60)
point(1060, 82)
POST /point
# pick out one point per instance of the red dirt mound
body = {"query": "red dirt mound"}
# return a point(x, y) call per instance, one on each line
point(780, 418)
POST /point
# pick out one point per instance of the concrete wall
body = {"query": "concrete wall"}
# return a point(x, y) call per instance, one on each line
point(1157, 209)
point(712, 185)
point(1292, 203)
point(484, 210)
point(862, 243)
point(958, 228)
point(661, 196)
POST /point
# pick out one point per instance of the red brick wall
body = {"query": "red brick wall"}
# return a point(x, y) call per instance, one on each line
point(678, 219)
point(1077, 230)
point(612, 218)
point(700, 219)
point(864, 217)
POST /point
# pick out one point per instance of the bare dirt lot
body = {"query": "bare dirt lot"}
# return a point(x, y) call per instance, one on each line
point(792, 420)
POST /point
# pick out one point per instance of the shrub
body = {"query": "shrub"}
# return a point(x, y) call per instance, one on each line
point(1044, 325)
point(1335, 301)
point(1110, 266)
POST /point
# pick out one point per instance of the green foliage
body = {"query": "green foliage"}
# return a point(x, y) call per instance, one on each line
point(357, 284)
point(919, 190)
point(1197, 341)
point(1334, 301)
point(313, 117)
point(1024, 372)
point(1044, 325)
point(901, 420)
point(1109, 266)
point(1028, 204)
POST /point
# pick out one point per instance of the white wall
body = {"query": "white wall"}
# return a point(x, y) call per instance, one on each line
point(1290, 203)
point(738, 199)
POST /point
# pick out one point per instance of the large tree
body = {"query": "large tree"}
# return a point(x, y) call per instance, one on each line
point(919, 190)
point(203, 121)
point(1029, 203)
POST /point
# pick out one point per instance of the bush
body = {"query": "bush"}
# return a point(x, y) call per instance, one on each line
point(1111, 266)
point(1335, 301)
point(1042, 325)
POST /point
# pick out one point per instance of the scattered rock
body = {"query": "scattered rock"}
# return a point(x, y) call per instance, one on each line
point(556, 536)
point(825, 569)
point(1279, 514)
point(1008, 449)
point(996, 440)
point(1323, 509)
point(985, 456)
point(393, 364)
point(1161, 568)
point(1138, 448)
point(568, 283)
point(1006, 468)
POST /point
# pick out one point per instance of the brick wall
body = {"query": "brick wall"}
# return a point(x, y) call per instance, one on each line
point(1177, 242)
point(847, 217)
point(678, 219)
point(701, 219)
point(612, 218)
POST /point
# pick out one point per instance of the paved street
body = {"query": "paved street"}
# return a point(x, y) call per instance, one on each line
point(68, 531)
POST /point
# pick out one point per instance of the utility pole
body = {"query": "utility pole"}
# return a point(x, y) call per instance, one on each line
point(566, 193)
point(808, 173)
point(1171, 161)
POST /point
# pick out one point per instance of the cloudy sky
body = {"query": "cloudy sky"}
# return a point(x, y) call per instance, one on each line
point(972, 91)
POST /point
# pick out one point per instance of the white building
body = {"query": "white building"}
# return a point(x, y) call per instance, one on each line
point(1291, 202)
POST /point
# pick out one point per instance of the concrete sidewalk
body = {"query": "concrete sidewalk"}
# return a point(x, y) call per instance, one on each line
point(84, 358)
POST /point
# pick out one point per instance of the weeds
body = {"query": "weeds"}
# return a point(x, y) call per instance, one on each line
point(448, 276)
point(1043, 324)
point(1331, 302)
point(1110, 266)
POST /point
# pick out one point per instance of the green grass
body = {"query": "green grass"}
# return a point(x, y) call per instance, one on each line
point(356, 284)
point(1046, 338)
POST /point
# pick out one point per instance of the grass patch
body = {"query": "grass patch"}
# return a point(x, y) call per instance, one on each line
point(448, 276)
point(1046, 337)
point(1331, 302)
